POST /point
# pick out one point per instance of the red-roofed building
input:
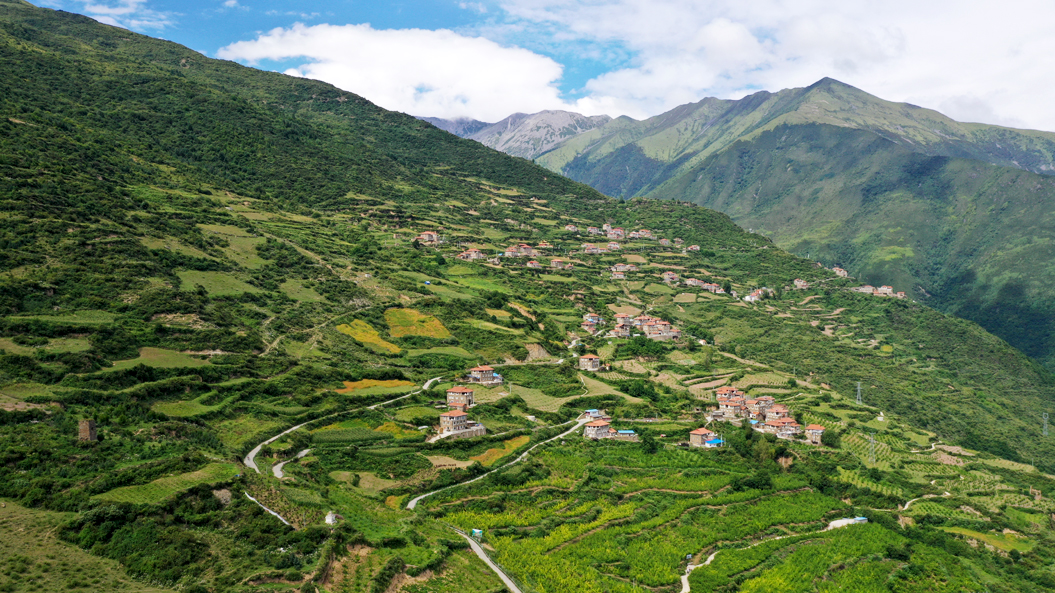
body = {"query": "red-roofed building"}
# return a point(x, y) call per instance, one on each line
point(598, 429)
point(700, 436)
point(460, 396)
point(590, 362)
point(484, 375)
point(453, 421)
point(814, 432)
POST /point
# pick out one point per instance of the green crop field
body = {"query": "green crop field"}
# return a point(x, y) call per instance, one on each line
point(216, 283)
point(160, 358)
point(163, 488)
point(448, 350)
point(298, 292)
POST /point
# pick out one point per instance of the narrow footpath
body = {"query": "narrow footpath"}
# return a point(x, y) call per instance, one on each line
point(578, 424)
point(688, 569)
point(250, 460)
point(487, 560)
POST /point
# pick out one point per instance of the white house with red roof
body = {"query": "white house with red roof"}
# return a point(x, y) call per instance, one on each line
point(700, 436)
point(460, 396)
point(484, 375)
point(598, 429)
point(590, 362)
point(814, 432)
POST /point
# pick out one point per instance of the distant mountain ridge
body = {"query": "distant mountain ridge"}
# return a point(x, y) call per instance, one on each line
point(958, 214)
point(522, 134)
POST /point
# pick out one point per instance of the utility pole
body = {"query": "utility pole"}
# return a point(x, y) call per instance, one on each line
point(859, 393)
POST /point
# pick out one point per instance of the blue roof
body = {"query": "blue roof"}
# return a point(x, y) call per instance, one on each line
point(754, 422)
point(626, 432)
point(714, 442)
point(591, 411)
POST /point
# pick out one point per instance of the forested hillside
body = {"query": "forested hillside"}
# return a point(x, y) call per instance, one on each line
point(226, 272)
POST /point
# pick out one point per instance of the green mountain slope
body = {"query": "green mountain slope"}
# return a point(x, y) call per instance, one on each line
point(896, 194)
point(219, 267)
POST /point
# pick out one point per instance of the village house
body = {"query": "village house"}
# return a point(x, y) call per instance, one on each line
point(866, 289)
point(814, 432)
point(644, 233)
point(840, 272)
point(664, 242)
point(526, 250)
point(86, 431)
point(484, 375)
point(590, 362)
point(593, 318)
point(777, 412)
point(711, 287)
point(598, 429)
point(670, 277)
point(571, 228)
point(660, 330)
point(612, 246)
point(618, 276)
point(621, 330)
point(623, 318)
point(557, 263)
point(606, 227)
point(534, 264)
point(620, 267)
point(884, 291)
point(511, 252)
point(588, 327)
point(590, 248)
point(693, 248)
point(634, 235)
point(694, 282)
point(679, 241)
point(594, 414)
point(624, 435)
point(756, 295)
point(460, 396)
point(428, 237)
point(453, 421)
point(727, 392)
point(617, 233)
point(732, 407)
point(700, 436)
point(472, 254)
point(594, 230)
point(455, 424)
point(544, 245)
point(800, 283)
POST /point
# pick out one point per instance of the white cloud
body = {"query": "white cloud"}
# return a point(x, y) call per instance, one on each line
point(983, 61)
point(978, 61)
point(230, 4)
point(128, 14)
point(436, 73)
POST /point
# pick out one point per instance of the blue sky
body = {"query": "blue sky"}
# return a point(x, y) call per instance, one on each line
point(986, 60)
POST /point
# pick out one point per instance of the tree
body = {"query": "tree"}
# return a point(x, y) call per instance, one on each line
point(649, 444)
point(830, 438)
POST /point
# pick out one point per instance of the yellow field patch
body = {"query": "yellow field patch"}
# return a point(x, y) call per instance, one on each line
point(408, 322)
point(368, 383)
point(367, 336)
point(489, 457)
point(685, 297)
point(625, 309)
point(634, 259)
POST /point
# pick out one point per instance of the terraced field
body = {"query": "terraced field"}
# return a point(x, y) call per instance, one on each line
point(163, 488)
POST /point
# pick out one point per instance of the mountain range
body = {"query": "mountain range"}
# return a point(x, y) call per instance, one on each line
point(957, 214)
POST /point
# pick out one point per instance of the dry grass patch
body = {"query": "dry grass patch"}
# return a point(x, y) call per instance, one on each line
point(489, 457)
point(685, 297)
point(350, 386)
point(624, 309)
point(367, 336)
point(408, 322)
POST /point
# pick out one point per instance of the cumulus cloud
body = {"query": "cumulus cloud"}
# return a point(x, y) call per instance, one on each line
point(976, 60)
point(436, 73)
point(128, 14)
